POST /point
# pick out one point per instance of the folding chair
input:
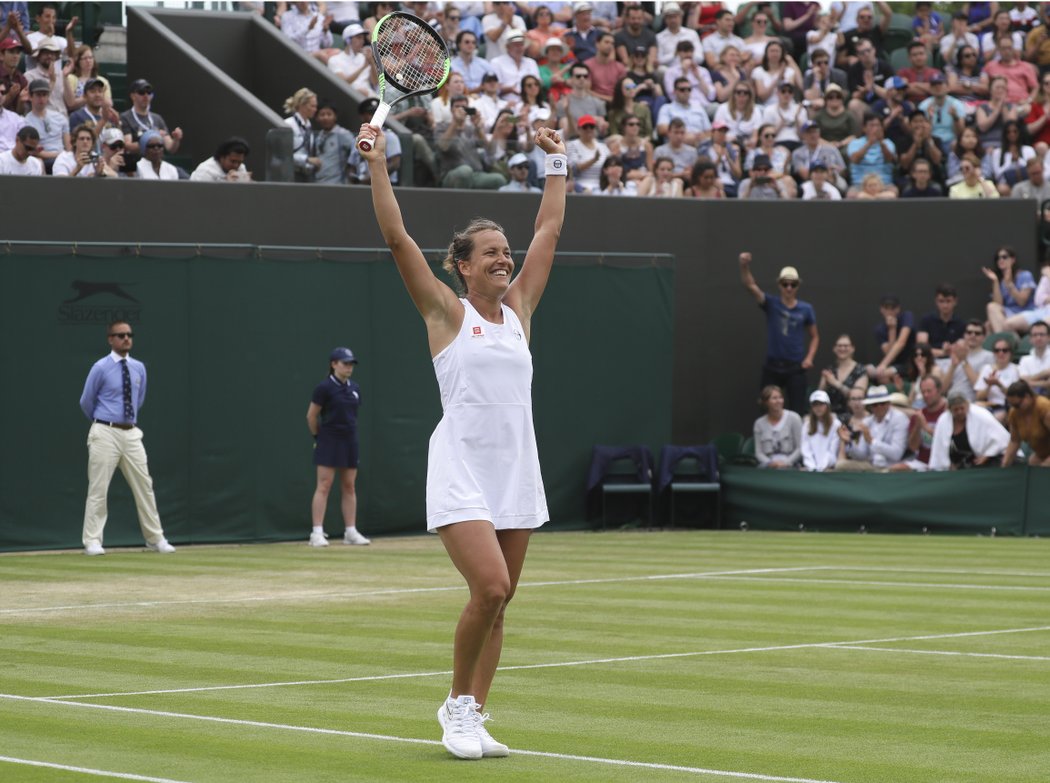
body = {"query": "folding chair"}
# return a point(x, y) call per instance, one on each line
point(690, 469)
point(622, 470)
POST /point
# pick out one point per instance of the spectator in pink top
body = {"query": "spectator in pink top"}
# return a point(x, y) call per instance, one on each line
point(606, 70)
point(1021, 77)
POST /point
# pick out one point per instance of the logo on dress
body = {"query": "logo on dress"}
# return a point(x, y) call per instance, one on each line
point(477, 332)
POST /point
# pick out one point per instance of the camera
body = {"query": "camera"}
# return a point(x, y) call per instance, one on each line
point(763, 180)
point(471, 111)
point(93, 156)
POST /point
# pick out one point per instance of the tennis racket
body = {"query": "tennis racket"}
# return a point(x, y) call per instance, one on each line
point(411, 57)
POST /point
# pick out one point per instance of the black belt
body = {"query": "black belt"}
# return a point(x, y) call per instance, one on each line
point(115, 424)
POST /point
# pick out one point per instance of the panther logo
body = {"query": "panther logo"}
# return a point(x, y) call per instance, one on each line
point(85, 288)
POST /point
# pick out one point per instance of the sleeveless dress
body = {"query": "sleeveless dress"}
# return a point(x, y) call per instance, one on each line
point(483, 462)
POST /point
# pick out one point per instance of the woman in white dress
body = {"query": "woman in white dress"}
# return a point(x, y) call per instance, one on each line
point(820, 434)
point(484, 489)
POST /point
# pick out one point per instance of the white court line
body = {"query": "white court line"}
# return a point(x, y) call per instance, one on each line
point(417, 741)
point(395, 591)
point(102, 773)
point(557, 665)
point(940, 652)
point(879, 583)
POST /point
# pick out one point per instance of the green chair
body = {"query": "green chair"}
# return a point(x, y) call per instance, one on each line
point(729, 445)
point(899, 59)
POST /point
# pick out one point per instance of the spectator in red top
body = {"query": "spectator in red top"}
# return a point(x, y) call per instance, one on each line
point(923, 422)
point(17, 88)
point(918, 73)
point(1038, 120)
point(1021, 78)
point(606, 70)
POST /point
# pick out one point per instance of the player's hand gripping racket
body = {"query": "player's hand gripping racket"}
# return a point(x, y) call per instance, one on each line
point(409, 55)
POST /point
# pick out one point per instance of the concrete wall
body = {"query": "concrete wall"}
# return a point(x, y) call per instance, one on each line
point(849, 254)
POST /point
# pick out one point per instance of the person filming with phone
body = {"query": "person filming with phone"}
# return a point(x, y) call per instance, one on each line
point(461, 151)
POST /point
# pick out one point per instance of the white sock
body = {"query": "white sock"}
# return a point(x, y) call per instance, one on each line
point(319, 529)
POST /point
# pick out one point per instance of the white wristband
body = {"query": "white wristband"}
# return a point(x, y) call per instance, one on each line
point(556, 165)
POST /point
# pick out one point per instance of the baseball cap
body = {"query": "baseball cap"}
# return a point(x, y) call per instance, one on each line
point(671, 8)
point(585, 120)
point(833, 88)
point(818, 164)
point(490, 77)
point(762, 162)
point(719, 125)
point(520, 159)
point(342, 355)
point(788, 272)
point(351, 30)
point(553, 42)
point(90, 84)
point(581, 7)
point(820, 396)
point(809, 124)
point(39, 85)
point(10, 43)
point(368, 106)
point(896, 83)
point(140, 85)
point(111, 136)
point(937, 78)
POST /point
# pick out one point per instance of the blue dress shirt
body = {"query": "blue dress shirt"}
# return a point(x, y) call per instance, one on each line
point(103, 396)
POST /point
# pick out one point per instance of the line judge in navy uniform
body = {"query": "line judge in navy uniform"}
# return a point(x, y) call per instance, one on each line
point(113, 394)
point(332, 419)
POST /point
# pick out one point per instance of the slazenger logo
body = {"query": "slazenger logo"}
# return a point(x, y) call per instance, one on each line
point(109, 301)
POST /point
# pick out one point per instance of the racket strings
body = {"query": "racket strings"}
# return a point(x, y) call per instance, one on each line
point(410, 55)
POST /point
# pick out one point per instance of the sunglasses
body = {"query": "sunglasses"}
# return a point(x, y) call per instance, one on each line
point(123, 335)
point(1002, 350)
point(1003, 255)
point(787, 89)
point(769, 135)
point(759, 21)
point(117, 145)
point(684, 89)
point(787, 283)
point(154, 146)
point(143, 92)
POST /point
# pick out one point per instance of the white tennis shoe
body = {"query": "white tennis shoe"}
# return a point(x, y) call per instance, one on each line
point(162, 546)
point(490, 748)
point(459, 721)
point(351, 536)
point(94, 548)
point(317, 538)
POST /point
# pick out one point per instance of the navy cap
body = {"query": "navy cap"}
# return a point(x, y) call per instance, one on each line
point(342, 355)
point(937, 78)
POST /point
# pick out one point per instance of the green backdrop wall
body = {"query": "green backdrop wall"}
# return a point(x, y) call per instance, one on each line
point(234, 347)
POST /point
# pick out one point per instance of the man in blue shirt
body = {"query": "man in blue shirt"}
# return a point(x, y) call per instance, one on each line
point(113, 393)
point(789, 323)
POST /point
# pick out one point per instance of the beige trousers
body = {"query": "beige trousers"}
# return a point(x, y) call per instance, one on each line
point(108, 448)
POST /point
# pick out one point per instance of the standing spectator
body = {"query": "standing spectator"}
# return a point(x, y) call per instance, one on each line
point(918, 73)
point(467, 63)
point(114, 392)
point(843, 376)
point(1029, 422)
point(355, 66)
point(812, 149)
point(226, 165)
point(580, 102)
point(460, 145)
point(881, 438)
point(673, 34)
point(46, 30)
point(586, 155)
point(694, 120)
point(966, 436)
point(497, 25)
point(820, 440)
point(790, 323)
point(152, 165)
point(724, 156)
point(309, 29)
point(867, 78)
point(1022, 80)
point(301, 108)
point(1012, 288)
point(722, 37)
point(967, 358)
point(952, 43)
point(21, 159)
point(605, 68)
point(995, 378)
point(635, 33)
point(47, 54)
point(513, 66)
point(678, 149)
point(52, 127)
point(85, 69)
point(947, 113)
point(866, 32)
point(140, 118)
point(872, 154)
point(777, 433)
point(332, 420)
point(941, 329)
point(13, 85)
point(334, 144)
point(1035, 367)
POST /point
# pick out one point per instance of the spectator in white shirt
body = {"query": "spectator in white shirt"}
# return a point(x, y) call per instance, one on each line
point(883, 436)
point(513, 66)
point(496, 26)
point(305, 25)
point(21, 159)
point(668, 39)
point(226, 165)
point(820, 439)
point(153, 165)
point(721, 38)
point(354, 64)
point(1035, 367)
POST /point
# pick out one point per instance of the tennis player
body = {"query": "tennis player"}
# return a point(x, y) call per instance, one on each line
point(484, 490)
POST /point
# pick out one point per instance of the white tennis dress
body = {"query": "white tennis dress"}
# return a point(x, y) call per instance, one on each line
point(483, 462)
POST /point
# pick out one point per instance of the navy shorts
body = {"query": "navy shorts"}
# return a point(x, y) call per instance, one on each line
point(336, 449)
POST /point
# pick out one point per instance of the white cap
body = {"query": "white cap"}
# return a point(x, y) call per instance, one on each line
point(553, 41)
point(820, 396)
point(513, 35)
point(353, 29)
point(517, 159)
point(111, 135)
point(670, 8)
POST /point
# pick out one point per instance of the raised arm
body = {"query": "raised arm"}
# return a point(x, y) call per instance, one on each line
point(435, 301)
point(748, 280)
point(525, 292)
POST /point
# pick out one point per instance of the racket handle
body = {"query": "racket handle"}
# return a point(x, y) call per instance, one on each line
point(377, 119)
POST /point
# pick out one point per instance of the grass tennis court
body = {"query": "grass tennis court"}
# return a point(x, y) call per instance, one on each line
point(629, 657)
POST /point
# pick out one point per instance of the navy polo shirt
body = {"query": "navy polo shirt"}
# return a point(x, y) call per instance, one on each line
point(786, 328)
point(339, 403)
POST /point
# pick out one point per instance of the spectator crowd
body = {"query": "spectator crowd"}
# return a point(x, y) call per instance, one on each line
point(673, 100)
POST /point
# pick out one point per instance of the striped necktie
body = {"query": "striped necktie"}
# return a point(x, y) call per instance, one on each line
point(129, 411)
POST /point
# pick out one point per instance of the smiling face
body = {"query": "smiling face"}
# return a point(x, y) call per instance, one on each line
point(844, 349)
point(490, 264)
